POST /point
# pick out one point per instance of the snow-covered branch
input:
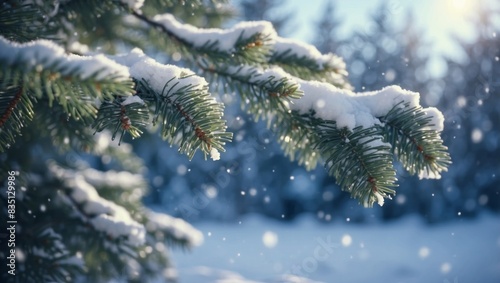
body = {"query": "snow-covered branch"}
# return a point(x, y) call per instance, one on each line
point(43, 55)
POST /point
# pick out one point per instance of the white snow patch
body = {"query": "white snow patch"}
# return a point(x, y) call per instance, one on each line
point(226, 39)
point(158, 75)
point(303, 50)
point(380, 198)
point(428, 174)
point(176, 227)
point(259, 74)
point(122, 179)
point(437, 121)
point(133, 4)
point(347, 108)
point(132, 99)
point(105, 216)
point(44, 54)
point(214, 154)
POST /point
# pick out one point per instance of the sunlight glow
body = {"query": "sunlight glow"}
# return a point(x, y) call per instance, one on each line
point(460, 8)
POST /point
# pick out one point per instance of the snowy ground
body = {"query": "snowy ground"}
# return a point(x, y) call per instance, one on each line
point(261, 250)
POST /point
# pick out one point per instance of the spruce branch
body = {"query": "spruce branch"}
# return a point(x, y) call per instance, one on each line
point(180, 102)
point(16, 110)
point(188, 115)
point(306, 62)
point(119, 116)
point(360, 162)
point(263, 92)
point(246, 43)
point(297, 136)
point(45, 71)
point(414, 141)
point(267, 94)
point(48, 259)
point(62, 129)
point(13, 18)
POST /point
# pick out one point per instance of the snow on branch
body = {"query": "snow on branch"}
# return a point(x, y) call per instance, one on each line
point(106, 216)
point(223, 40)
point(288, 47)
point(103, 215)
point(113, 179)
point(177, 228)
point(157, 75)
point(350, 109)
point(306, 62)
point(133, 4)
point(43, 54)
point(177, 92)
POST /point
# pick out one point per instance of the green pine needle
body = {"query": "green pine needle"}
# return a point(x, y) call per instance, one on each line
point(420, 149)
point(359, 161)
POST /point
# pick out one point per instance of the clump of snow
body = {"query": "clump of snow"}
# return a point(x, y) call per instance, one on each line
point(77, 47)
point(133, 4)
point(429, 174)
point(303, 50)
point(347, 108)
point(114, 179)
point(157, 75)
point(178, 228)
point(437, 122)
point(214, 154)
point(104, 215)
point(43, 54)
point(350, 109)
point(226, 39)
point(259, 74)
point(380, 198)
point(132, 99)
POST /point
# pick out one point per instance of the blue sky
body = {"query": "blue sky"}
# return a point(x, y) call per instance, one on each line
point(438, 19)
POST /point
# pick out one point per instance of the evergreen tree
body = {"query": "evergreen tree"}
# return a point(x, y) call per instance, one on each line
point(269, 10)
point(471, 97)
point(327, 38)
point(78, 197)
point(387, 55)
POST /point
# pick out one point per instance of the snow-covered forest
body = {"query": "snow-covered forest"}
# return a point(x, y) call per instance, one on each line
point(205, 141)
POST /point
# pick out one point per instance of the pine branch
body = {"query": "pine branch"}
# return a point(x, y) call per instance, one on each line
point(360, 162)
point(297, 136)
point(415, 141)
point(306, 62)
point(189, 117)
point(267, 94)
point(203, 13)
point(245, 43)
point(16, 110)
point(13, 18)
point(174, 231)
point(118, 115)
point(180, 102)
point(263, 92)
point(47, 259)
point(42, 72)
